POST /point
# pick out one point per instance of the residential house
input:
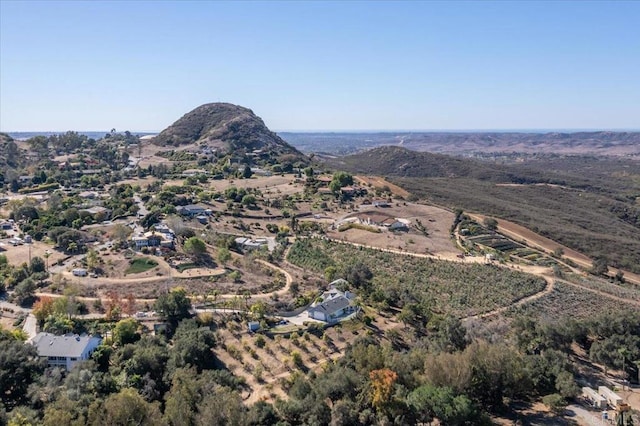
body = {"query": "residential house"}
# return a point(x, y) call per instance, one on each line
point(194, 172)
point(88, 195)
point(65, 351)
point(94, 211)
point(331, 310)
point(140, 241)
point(333, 304)
point(381, 203)
point(154, 239)
point(246, 244)
point(191, 210)
point(399, 226)
point(348, 191)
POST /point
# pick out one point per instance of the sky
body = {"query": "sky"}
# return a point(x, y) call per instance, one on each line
point(321, 66)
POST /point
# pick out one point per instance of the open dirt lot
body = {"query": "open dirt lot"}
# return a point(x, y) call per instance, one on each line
point(436, 220)
point(268, 185)
point(19, 254)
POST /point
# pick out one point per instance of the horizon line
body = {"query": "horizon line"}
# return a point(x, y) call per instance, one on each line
point(493, 130)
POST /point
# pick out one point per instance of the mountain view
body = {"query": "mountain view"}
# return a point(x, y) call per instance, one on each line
point(228, 270)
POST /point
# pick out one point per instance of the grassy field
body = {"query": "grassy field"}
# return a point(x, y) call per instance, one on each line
point(141, 264)
point(447, 287)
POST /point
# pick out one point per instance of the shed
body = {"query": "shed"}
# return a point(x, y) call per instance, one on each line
point(79, 272)
point(612, 398)
point(253, 326)
point(595, 399)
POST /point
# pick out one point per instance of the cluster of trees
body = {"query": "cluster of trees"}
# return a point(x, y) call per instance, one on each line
point(22, 280)
point(176, 379)
point(110, 157)
point(611, 339)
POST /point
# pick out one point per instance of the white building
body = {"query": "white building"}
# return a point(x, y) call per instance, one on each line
point(65, 351)
point(79, 272)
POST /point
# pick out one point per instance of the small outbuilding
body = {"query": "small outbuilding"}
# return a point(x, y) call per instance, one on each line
point(79, 272)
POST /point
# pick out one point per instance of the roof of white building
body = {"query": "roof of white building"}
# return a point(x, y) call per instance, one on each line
point(69, 345)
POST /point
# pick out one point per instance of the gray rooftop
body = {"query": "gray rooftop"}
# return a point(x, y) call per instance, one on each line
point(69, 345)
point(331, 306)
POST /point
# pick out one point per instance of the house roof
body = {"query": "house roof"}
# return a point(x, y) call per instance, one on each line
point(96, 209)
point(69, 345)
point(193, 208)
point(331, 306)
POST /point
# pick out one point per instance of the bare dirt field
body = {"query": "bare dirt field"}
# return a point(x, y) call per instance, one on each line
point(268, 185)
point(437, 222)
point(20, 254)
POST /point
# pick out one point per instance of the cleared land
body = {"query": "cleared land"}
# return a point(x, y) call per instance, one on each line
point(435, 222)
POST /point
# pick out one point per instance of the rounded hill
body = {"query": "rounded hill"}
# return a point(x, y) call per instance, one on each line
point(224, 126)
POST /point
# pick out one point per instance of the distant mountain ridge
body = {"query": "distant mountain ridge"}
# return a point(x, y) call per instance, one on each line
point(402, 162)
point(598, 142)
point(224, 125)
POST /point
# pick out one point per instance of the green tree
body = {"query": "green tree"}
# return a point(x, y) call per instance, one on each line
point(24, 292)
point(555, 402)
point(192, 347)
point(126, 408)
point(221, 406)
point(37, 265)
point(246, 172)
point(249, 200)
point(93, 259)
point(126, 331)
point(195, 246)
point(183, 397)
point(599, 266)
point(566, 385)
point(223, 255)
point(431, 402)
point(490, 223)
point(174, 306)
point(19, 367)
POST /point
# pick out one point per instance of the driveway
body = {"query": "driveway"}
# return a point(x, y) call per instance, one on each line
point(29, 326)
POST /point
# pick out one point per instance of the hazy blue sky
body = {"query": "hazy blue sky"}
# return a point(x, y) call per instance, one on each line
point(322, 65)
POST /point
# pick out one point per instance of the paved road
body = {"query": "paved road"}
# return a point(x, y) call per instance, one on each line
point(29, 326)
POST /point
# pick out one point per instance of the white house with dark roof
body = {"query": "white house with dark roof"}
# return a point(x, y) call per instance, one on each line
point(331, 310)
point(333, 304)
point(65, 351)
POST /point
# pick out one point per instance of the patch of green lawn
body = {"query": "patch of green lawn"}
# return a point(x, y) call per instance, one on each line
point(141, 264)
